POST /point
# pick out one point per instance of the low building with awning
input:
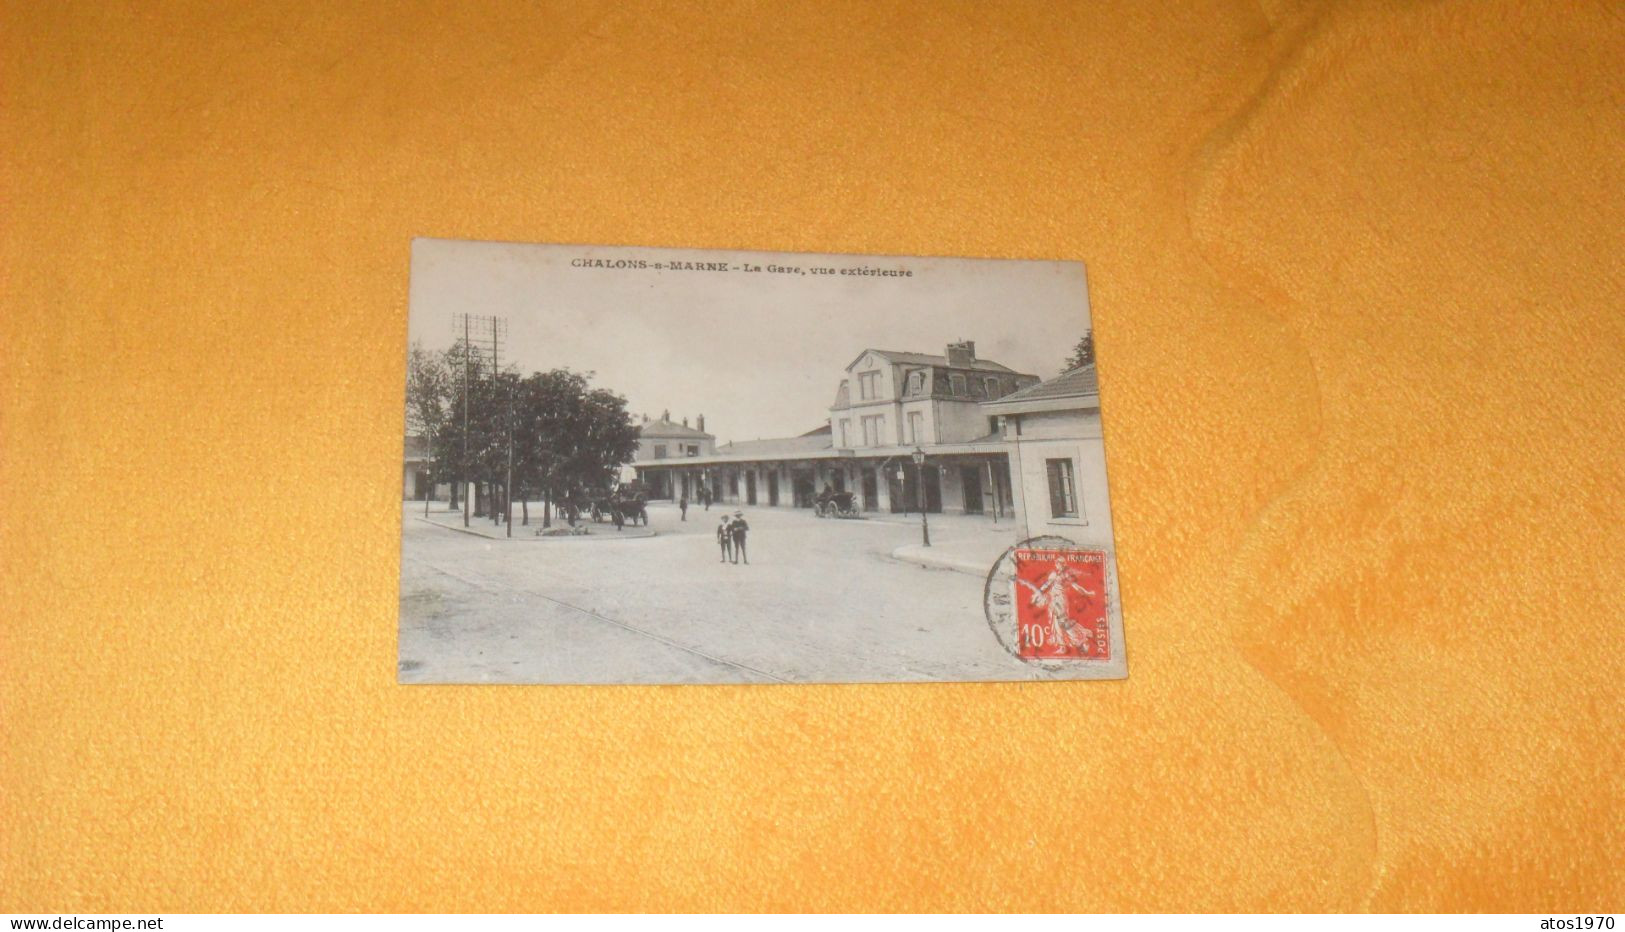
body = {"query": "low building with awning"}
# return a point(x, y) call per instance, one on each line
point(1057, 456)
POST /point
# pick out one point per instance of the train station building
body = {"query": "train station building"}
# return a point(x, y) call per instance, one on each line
point(664, 439)
point(886, 406)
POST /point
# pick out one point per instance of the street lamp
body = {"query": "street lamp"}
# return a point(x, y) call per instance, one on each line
point(429, 495)
point(919, 493)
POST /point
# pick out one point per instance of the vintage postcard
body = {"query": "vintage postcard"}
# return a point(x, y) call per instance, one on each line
point(646, 465)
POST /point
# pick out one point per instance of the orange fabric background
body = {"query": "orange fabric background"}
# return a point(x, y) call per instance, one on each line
point(1356, 276)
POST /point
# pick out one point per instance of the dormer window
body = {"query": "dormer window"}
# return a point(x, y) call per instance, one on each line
point(868, 385)
point(916, 382)
point(957, 382)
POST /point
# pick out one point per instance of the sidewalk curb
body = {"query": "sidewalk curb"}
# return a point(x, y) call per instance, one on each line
point(643, 534)
point(918, 555)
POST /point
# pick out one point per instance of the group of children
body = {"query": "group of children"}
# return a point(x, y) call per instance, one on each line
point(731, 533)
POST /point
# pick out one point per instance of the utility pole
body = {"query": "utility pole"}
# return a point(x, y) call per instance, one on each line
point(495, 368)
point(497, 324)
point(463, 472)
point(466, 324)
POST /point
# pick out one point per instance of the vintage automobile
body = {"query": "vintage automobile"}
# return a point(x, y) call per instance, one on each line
point(832, 504)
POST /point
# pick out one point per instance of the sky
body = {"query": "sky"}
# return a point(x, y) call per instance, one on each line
point(760, 354)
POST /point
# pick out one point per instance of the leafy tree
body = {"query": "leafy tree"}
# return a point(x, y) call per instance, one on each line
point(428, 400)
point(428, 390)
point(569, 439)
point(609, 441)
point(1084, 353)
point(543, 414)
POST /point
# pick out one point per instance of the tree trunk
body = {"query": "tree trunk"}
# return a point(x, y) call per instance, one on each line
point(547, 509)
point(524, 509)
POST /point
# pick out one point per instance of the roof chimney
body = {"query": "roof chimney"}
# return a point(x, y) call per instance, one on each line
point(685, 420)
point(666, 415)
point(699, 423)
point(961, 354)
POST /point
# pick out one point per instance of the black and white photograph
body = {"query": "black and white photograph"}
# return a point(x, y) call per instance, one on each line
point(659, 466)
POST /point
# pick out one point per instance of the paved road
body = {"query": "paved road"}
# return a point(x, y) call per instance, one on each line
point(821, 601)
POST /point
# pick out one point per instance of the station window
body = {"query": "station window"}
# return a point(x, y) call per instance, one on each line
point(871, 431)
point(868, 385)
point(1063, 490)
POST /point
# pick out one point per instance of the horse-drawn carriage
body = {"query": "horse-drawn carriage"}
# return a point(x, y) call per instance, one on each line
point(833, 504)
point(631, 500)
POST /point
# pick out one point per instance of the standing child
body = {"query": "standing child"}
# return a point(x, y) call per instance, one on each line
point(738, 529)
point(682, 503)
point(725, 539)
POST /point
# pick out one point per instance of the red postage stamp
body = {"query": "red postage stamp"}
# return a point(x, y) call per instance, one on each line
point(1061, 605)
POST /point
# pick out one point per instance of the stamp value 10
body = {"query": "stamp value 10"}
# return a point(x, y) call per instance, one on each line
point(1060, 602)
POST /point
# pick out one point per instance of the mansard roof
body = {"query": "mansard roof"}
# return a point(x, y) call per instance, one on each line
point(926, 359)
point(666, 430)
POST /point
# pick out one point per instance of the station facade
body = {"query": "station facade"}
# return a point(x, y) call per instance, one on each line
point(664, 439)
point(887, 405)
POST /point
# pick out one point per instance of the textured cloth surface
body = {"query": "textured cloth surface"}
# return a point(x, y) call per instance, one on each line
point(1357, 290)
